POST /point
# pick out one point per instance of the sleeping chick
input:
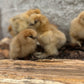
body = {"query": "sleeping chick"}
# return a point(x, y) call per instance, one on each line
point(50, 38)
point(20, 22)
point(77, 29)
point(23, 44)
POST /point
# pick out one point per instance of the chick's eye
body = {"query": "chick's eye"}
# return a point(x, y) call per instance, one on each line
point(36, 21)
point(31, 36)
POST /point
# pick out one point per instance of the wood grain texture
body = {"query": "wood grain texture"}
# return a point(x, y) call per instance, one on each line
point(55, 71)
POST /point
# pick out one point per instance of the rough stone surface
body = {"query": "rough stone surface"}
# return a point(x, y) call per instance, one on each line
point(59, 12)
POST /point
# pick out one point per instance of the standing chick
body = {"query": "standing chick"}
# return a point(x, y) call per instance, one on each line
point(23, 44)
point(20, 22)
point(77, 29)
point(50, 38)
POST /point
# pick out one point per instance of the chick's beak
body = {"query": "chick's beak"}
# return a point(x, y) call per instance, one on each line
point(31, 24)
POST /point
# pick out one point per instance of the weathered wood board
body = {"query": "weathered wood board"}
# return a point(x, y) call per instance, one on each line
point(55, 71)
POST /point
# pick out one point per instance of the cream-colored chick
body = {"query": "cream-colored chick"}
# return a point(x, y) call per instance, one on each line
point(23, 44)
point(50, 38)
point(20, 22)
point(77, 29)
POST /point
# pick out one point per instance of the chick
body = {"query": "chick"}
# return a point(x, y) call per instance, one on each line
point(23, 44)
point(77, 29)
point(20, 22)
point(50, 38)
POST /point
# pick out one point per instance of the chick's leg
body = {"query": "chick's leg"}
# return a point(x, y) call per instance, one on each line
point(49, 51)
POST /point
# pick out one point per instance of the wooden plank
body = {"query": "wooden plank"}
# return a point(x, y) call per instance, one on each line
point(54, 71)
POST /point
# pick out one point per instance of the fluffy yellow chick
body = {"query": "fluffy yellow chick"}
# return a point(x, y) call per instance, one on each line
point(23, 44)
point(20, 22)
point(50, 38)
point(77, 29)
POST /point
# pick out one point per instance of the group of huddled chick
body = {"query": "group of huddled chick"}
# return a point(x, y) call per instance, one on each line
point(31, 27)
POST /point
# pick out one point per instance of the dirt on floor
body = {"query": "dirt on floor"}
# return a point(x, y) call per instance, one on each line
point(68, 51)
